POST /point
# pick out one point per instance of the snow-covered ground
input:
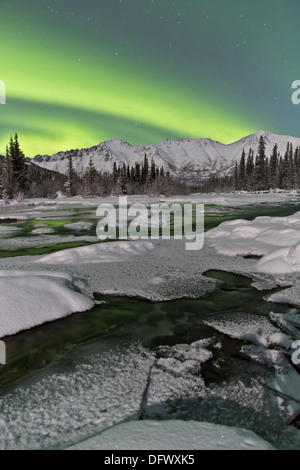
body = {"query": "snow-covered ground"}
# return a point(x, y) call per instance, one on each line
point(79, 226)
point(220, 199)
point(71, 406)
point(276, 239)
point(167, 271)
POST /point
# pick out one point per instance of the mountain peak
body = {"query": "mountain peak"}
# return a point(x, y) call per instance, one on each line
point(191, 160)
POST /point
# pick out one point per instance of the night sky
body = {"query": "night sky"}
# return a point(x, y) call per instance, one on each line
point(79, 72)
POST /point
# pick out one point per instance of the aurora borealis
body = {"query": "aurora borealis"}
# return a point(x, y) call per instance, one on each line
point(80, 72)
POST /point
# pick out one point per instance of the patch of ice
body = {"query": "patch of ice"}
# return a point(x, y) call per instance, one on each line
point(65, 407)
point(52, 207)
point(7, 231)
point(256, 329)
point(285, 325)
point(173, 435)
point(269, 357)
point(287, 386)
point(12, 244)
point(287, 296)
point(176, 374)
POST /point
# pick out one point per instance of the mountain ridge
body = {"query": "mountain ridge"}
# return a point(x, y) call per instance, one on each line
point(191, 160)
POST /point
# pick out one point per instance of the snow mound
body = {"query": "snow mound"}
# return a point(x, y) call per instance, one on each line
point(258, 237)
point(42, 231)
point(79, 226)
point(173, 435)
point(99, 253)
point(30, 299)
point(281, 261)
point(276, 239)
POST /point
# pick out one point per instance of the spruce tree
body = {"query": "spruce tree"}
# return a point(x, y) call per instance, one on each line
point(145, 170)
point(260, 167)
point(290, 169)
point(242, 171)
point(137, 172)
point(297, 168)
point(153, 170)
point(91, 177)
point(250, 170)
point(236, 177)
point(16, 168)
point(285, 168)
point(273, 173)
point(71, 179)
point(6, 184)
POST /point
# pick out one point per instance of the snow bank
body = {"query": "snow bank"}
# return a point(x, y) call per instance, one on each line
point(79, 226)
point(42, 231)
point(173, 435)
point(30, 299)
point(99, 253)
point(281, 261)
point(277, 239)
point(234, 199)
point(257, 237)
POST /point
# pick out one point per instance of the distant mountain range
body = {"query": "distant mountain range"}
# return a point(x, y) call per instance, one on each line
point(191, 160)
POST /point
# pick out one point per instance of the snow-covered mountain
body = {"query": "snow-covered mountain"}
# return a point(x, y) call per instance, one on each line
point(191, 160)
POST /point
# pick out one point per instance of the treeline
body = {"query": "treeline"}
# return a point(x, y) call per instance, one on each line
point(140, 178)
point(18, 178)
point(14, 177)
point(261, 172)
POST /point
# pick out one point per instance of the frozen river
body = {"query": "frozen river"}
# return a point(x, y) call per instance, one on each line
point(171, 335)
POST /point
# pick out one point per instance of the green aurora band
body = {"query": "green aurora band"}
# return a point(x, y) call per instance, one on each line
point(89, 71)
